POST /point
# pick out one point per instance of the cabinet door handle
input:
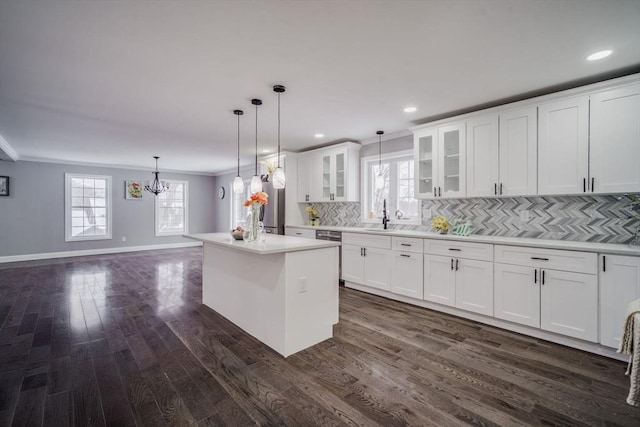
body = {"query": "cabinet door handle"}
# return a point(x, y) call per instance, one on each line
point(501, 189)
point(451, 264)
point(434, 192)
point(457, 265)
point(543, 277)
point(405, 244)
point(405, 255)
point(535, 276)
point(455, 249)
point(584, 185)
point(361, 253)
point(298, 234)
point(439, 192)
point(604, 263)
point(365, 251)
point(593, 184)
point(540, 259)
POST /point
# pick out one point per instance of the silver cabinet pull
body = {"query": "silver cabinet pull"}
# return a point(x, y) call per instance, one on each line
point(455, 249)
point(540, 259)
point(405, 255)
point(405, 244)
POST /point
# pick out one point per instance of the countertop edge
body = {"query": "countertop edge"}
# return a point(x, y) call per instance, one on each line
point(262, 247)
point(605, 248)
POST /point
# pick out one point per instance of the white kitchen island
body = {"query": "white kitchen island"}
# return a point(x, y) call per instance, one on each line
point(283, 291)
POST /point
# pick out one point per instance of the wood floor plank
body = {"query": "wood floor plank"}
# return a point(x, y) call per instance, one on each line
point(123, 340)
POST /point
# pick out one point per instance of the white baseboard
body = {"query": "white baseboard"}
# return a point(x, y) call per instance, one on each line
point(103, 251)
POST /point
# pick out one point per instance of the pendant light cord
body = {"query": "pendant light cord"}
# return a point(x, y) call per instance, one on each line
point(256, 171)
point(278, 129)
point(238, 144)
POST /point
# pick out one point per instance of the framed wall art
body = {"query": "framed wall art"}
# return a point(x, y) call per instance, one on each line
point(133, 190)
point(4, 185)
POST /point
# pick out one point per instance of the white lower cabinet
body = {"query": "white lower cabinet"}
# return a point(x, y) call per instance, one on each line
point(619, 285)
point(406, 274)
point(439, 280)
point(516, 295)
point(366, 260)
point(457, 281)
point(565, 302)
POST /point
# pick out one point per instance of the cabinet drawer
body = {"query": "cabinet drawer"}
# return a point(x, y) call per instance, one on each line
point(553, 259)
point(407, 244)
point(479, 251)
point(300, 232)
point(367, 240)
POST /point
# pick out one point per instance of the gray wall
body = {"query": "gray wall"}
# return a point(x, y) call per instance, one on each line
point(32, 217)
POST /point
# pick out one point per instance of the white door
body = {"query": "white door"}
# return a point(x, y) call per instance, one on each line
point(569, 304)
point(482, 156)
point(615, 140)
point(377, 268)
point(563, 146)
point(439, 280)
point(518, 153)
point(517, 294)
point(304, 173)
point(352, 264)
point(474, 286)
point(426, 166)
point(406, 274)
point(619, 285)
point(452, 163)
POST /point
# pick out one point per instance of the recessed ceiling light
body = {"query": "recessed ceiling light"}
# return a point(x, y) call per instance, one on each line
point(319, 135)
point(599, 55)
point(410, 110)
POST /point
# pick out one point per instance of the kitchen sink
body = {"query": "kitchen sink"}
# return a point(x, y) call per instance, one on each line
point(378, 229)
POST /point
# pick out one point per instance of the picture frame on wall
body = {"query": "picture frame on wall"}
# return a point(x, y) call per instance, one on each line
point(133, 190)
point(4, 185)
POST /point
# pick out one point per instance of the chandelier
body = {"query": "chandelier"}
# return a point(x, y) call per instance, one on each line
point(157, 186)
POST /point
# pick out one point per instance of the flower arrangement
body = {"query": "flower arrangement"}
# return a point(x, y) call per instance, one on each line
point(270, 165)
point(314, 218)
point(257, 198)
point(440, 223)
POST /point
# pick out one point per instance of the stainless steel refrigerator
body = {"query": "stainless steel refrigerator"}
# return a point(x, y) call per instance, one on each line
point(272, 215)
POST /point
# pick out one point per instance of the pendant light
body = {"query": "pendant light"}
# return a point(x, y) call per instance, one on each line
point(238, 183)
point(278, 174)
point(256, 181)
point(379, 177)
point(157, 186)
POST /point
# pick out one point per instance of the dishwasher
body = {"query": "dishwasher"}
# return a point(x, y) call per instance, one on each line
point(334, 236)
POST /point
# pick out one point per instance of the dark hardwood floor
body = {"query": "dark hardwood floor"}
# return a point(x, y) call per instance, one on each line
point(123, 340)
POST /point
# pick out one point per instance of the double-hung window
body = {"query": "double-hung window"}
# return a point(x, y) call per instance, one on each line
point(87, 207)
point(172, 209)
point(397, 189)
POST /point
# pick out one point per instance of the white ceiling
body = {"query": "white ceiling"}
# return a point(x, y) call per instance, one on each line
point(116, 82)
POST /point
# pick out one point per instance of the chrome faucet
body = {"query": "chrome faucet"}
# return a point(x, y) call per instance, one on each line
point(385, 218)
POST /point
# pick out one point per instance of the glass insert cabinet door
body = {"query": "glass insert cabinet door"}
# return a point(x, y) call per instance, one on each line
point(340, 184)
point(427, 164)
point(451, 158)
point(326, 177)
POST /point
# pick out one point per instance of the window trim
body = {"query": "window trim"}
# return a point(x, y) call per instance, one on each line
point(68, 208)
point(364, 179)
point(156, 208)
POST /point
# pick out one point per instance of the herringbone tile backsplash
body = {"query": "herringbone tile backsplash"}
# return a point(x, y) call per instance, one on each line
point(604, 219)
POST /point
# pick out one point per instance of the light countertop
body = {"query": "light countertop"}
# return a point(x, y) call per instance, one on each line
point(605, 248)
point(273, 243)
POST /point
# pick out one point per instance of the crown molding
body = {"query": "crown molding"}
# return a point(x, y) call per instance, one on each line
point(6, 151)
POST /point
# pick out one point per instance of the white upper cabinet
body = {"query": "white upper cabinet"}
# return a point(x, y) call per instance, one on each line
point(518, 152)
point(482, 156)
point(440, 161)
point(563, 146)
point(330, 174)
point(615, 140)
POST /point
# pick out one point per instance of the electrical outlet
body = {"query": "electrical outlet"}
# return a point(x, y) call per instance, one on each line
point(525, 216)
point(302, 285)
